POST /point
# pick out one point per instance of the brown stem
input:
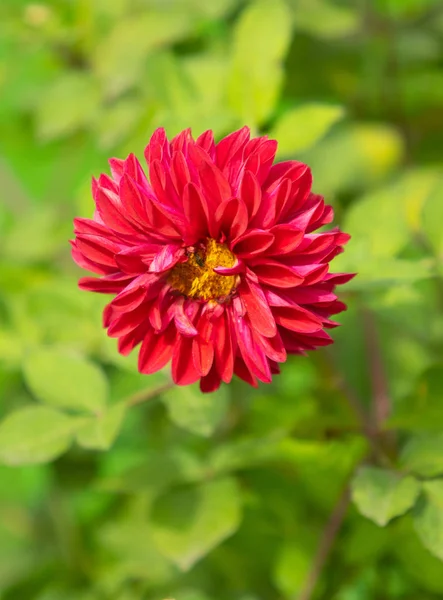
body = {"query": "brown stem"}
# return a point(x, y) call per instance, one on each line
point(380, 391)
point(148, 394)
point(329, 534)
point(356, 405)
point(358, 408)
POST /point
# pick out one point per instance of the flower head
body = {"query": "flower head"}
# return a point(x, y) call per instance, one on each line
point(212, 259)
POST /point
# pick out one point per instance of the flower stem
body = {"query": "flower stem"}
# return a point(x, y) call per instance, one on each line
point(326, 542)
point(148, 394)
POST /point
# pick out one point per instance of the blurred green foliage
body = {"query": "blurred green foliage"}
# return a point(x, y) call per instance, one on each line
point(104, 497)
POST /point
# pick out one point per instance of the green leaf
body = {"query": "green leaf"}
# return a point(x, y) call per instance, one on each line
point(368, 153)
point(417, 563)
point(187, 523)
point(33, 237)
point(380, 272)
point(189, 93)
point(302, 127)
point(293, 564)
point(404, 8)
point(388, 231)
point(116, 122)
point(64, 380)
point(197, 412)
point(428, 518)
point(35, 434)
point(432, 218)
point(244, 453)
point(100, 432)
point(127, 538)
point(418, 184)
point(324, 19)
point(120, 56)
point(423, 410)
point(423, 455)
point(381, 495)
point(70, 103)
point(434, 491)
point(261, 38)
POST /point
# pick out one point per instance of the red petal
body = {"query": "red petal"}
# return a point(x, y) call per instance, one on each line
point(117, 168)
point(206, 141)
point(203, 347)
point(291, 169)
point(98, 249)
point(253, 242)
point(257, 308)
point(102, 286)
point(111, 210)
point(180, 172)
point(89, 226)
point(196, 212)
point(182, 322)
point(297, 319)
point(183, 369)
point(231, 218)
point(210, 382)
point(137, 259)
point(127, 321)
point(163, 188)
point(287, 239)
point(273, 200)
point(250, 193)
point(156, 350)
point(238, 267)
point(264, 151)
point(339, 278)
point(242, 371)
point(86, 263)
point(158, 147)
point(161, 311)
point(313, 273)
point(182, 141)
point(168, 256)
point(309, 214)
point(134, 293)
point(277, 274)
point(202, 355)
point(214, 185)
point(252, 354)
point(133, 201)
point(230, 145)
point(128, 342)
point(224, 345)
point(273, 347)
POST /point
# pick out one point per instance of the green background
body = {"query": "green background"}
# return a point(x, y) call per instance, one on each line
point(105, 495)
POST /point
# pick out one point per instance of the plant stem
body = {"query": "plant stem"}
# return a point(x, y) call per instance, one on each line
point(329, 534)
point(352, 398)
point(148, 394)
point(380, 391)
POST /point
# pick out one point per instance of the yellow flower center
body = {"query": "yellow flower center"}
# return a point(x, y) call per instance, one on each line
point(196, 277)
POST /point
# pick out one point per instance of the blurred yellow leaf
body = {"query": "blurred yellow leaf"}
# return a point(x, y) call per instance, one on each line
point(324, 19)
point(354, 156)
point(418, 186)
point(35, 434)
point(119, 57)
point(432, 218)
point(261, 39)
point(70, 103)
point(301, 127)
point(99, 432)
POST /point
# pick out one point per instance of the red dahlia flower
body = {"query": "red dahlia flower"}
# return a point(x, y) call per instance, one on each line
point(212, 260)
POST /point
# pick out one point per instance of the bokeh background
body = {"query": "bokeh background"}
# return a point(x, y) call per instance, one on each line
point(113, 488)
